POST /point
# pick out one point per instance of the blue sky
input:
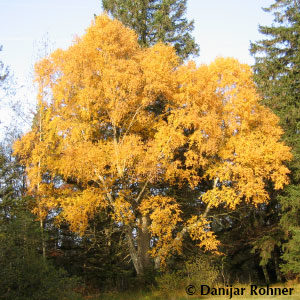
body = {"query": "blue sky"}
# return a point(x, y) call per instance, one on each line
point(222, 28)
point(225, 27)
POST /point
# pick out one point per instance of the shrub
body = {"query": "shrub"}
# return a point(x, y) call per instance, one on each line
point(201, 270)
point(169, 282)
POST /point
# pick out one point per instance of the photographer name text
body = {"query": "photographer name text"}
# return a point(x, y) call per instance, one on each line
point(231, 291)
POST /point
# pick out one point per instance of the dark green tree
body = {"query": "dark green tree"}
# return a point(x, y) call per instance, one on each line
point(24, 274)
point(277, 74)
point(156, 20)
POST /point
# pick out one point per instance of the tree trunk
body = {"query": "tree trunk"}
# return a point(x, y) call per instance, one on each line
point(143, 243)
point(266, 274)
point(276, 262)
point(139, 249)
point(157, 263)
point(43, 238)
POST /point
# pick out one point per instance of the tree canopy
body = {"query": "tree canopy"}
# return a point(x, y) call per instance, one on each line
point(119, 125)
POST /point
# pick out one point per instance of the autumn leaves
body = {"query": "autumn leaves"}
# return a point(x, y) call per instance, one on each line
point(120, 127)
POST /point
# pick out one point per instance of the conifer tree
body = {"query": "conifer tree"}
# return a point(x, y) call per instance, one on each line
point(156, 20)
point(277, 74)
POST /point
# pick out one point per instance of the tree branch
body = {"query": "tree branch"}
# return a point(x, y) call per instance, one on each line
point(131, 122)
point(142, 191)
point(109, 196)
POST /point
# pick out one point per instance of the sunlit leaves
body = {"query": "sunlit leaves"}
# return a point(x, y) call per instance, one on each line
point(124, 124)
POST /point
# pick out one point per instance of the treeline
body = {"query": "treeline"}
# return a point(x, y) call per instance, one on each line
point(141, 169)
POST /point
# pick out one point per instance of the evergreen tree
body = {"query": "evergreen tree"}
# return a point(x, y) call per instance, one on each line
point(156, 20)
point(277, 74)
point(24, 274)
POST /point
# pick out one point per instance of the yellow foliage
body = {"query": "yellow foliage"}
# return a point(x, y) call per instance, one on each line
point(120, 120)
point(199, 229)
point(164, 214)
